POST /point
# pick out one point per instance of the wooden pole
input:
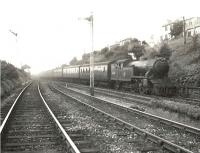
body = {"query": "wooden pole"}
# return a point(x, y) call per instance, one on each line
point(184, 32)
point(92, 61)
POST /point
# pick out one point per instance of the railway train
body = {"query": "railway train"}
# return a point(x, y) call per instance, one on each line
point(146, 76)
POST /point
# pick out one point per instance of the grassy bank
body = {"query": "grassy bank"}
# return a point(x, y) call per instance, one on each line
point(11, 78)
point(183, 108)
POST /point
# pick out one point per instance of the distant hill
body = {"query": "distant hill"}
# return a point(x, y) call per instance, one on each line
point(11, 77)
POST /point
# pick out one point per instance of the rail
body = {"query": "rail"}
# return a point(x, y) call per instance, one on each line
point(160, 141)
point(12, 107)
point(70, 144)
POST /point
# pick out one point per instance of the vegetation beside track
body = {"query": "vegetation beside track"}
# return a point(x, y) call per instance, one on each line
point(183, 108)
point(11, 78)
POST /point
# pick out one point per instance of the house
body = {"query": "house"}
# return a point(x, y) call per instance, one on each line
point(192, 26)
point(114, 46)
point(127, 40)
point(120, 43)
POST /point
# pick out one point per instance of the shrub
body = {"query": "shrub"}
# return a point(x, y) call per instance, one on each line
point(165, 51)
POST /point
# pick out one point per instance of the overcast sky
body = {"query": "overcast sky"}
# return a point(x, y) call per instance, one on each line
point(50, 34)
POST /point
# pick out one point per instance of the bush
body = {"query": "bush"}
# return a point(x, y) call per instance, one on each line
point(11, 77)
point(190, 110)
point(195, 43)
point(165, 51)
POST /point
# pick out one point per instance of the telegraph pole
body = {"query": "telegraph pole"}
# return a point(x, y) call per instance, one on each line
point(91, 20)
point(17, 49)
point(184, 32)
point(92, 59)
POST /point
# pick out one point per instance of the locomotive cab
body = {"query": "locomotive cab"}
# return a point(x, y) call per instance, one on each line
point(121, 74)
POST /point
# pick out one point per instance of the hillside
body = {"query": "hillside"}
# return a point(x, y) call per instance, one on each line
point(185, 61)
point(117, 52)
point(11, 77)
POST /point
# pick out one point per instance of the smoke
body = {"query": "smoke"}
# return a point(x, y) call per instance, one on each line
point(150, 52)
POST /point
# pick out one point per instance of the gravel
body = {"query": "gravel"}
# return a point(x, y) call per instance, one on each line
point(104, 133)
point(169, 133)
point(163, 108)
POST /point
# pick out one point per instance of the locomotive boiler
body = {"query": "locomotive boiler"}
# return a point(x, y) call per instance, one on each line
point(151, 77)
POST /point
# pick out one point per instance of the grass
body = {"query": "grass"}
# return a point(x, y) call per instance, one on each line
point(183, 108)
point(184, 61)
point(11, 77)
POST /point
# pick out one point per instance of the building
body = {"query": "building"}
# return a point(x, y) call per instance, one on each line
point(127, 40)
point(120, 43)
point(114, 45)
point(192, 26)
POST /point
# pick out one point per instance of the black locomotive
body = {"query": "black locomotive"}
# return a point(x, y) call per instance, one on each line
point(146, 76)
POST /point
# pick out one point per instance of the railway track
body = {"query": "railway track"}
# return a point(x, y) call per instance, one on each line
point(176, 143)
point(179, 112)
point(7, 103)
point(170, 109)
point(136, 97)
point(31, 126)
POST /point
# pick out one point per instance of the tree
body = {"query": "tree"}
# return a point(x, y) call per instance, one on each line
point(136, 48)
point(104, 50)
point(195, 43)
point(165, 51)
point(176, 29)
point(86, 58)
point(8, 71)
point(73, 61)
point(24, 67)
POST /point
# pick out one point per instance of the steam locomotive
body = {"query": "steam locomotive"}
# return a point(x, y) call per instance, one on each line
point(145, 77)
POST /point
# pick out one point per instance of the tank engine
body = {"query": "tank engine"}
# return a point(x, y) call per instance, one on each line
point(151, 77)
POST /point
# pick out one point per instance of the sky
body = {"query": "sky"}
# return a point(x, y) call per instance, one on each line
point(50, 32)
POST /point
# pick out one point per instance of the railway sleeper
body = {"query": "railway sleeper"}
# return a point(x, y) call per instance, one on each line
point(35, 125)
point(83, 144)
point(39, 151)
point(171, 148)
point(89, 150)
point(147, 149)
point(32, 136)
point(15, 145)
